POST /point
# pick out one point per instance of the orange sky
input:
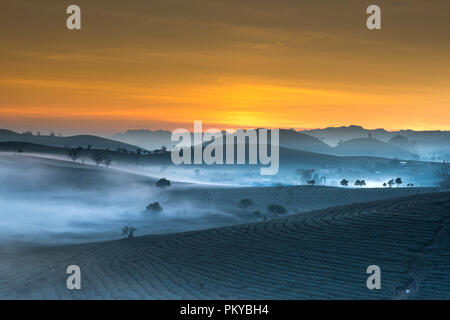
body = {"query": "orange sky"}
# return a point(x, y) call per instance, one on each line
point(164, 64)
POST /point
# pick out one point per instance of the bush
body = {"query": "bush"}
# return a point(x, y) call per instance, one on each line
point(163, 183)
point(154, 207)
point(245, 203)
point(276, 209)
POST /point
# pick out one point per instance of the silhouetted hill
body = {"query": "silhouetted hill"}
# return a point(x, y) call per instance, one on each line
point(288, 138)
point(299, 141)
point(70, 142)
point(146, 139)
point(419, 142)
point(371, 147)
point(335, 135)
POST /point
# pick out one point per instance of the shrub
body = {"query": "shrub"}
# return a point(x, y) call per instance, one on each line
point(163, 183)
point(276, 209)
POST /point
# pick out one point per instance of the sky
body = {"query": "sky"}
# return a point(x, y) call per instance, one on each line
point(230, 63)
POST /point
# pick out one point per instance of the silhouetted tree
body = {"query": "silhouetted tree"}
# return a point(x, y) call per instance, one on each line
point(154, 207)
point(97, 157)
point(163, 182)
point(398, 181)
point(344, 182)
point(129, 231)
point(276, 209)
point(245, 203)
point(391, 183)
point(74, 154)
point(107, 162)
point(311, 182)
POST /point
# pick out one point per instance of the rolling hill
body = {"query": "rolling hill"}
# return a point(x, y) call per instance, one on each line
point(372, 148)
point(69, 142)
point(317, 255)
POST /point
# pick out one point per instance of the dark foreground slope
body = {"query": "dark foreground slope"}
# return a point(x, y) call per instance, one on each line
point(321, 255)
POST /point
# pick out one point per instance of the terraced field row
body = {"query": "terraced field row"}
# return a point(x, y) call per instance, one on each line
point(315, 255)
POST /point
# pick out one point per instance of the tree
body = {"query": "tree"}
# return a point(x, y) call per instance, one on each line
point(155, 207)
point(358, 183)
point(97, 157)
point(163, 183)
point(245, 203)
point(344, 183)
point(384, 184)
point(391, 183)
point(398, 181)
point(363, 183)
point(311, 182)
point(107, 162)
point(276, 209)
point(129, 231)
point(74, 154)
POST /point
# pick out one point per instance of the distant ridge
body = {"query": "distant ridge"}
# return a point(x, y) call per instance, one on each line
point(70, 142)
point(372, 147)
point(288, 138)
point(333, 135)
